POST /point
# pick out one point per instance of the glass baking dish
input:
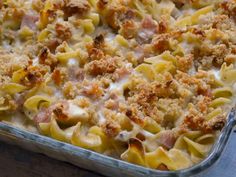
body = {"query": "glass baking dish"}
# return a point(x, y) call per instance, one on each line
point(103, 164)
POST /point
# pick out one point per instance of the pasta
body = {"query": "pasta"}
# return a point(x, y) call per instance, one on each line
point(149, 82)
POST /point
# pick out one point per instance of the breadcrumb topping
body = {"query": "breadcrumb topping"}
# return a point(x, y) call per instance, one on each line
point(129, 77)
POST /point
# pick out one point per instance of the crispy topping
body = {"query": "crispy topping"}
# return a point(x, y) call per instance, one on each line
point(61, 110)
point(46, 58)
point(56, 76)
point(117, 15)
point(161, 43)
point(79, 7)
point(185, 63)
point(99, 41)
point(131, 78)
point(94, 91)
point(162, 25)
point(33, 76)
point(101, 4)
point(135, 116)
point(129, 29)
point(111, 128)
point(63, 32)
point(100, 67)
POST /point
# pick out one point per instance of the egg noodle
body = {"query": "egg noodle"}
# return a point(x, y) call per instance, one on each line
point(146, 81)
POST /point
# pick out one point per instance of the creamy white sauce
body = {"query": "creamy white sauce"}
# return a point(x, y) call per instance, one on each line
point(101, 117)
point(216, 73)
point(234, 87)
point(69, 131)
point(118, 86)
point(146, 33)
point(176, 13)
point(181, 118)
point(18, 44)
point(6, 45)
point(35, 61)
point(188, 47)
point(138, 54)
point(188, 11)
point(78, 97)
point(147, 134)
point(19, 120)
point(110, 37)
point(192, 71)
point(73, 62)
point(126, 135)
point(58, 94)
point(77, 112)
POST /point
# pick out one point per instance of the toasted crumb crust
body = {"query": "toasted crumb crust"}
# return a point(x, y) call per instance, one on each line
point(135, 71)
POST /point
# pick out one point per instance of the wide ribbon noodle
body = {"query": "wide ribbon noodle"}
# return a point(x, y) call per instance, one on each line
point(149, 82)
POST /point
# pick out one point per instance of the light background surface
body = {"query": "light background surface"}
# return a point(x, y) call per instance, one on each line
point(16, 162)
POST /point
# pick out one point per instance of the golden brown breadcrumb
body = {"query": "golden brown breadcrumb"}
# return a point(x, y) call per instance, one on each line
point(140, 75)
point(63, 32)
point(79, 7)
point(100, 67)
point(34, 76)
point(116, 15)
point(46, 58)
point(69, 90)
point(111, 128)
point(185, 63)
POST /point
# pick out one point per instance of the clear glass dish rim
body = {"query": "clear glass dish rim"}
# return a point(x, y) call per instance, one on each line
point(11, 131)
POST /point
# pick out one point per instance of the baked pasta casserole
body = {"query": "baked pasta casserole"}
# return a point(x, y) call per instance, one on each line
point(146, 81)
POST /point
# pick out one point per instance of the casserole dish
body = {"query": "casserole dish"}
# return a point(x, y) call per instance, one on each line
point(106, 165)
point(145, 81)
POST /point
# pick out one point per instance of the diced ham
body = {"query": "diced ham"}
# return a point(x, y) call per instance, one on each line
point(149, 23)
point(43, 116)
point(141, 52)
point(29, 21)
point(76, 73)
point(121, 73)
point(148, 29)
point(167, 139)
point(20, 99)
point(60, 110)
